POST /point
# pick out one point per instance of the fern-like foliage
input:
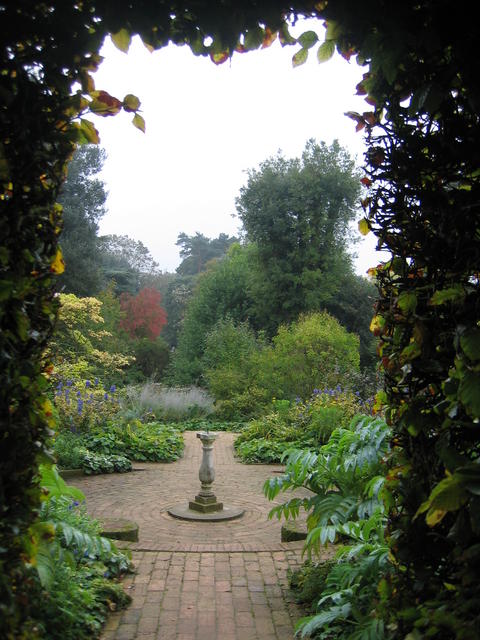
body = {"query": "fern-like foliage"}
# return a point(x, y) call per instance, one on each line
point(346, 480)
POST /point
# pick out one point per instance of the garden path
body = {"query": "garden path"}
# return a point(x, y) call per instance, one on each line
point(199, 580)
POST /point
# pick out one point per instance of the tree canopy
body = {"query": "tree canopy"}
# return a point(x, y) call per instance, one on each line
point(297, 212)
point(197, 250)
point(83, 199)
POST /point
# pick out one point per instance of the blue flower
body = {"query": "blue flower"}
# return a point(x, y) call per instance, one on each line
point(80, 406)
point(87, 383)
point(79, 394)
point(105, 396)
point(316, 391)
point(95, 382)
point(113, 388)
point(69, 383)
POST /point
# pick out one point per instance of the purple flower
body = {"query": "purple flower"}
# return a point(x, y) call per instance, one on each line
point(69, 383)
point(105, 396)
point(80, 406)
point(113, 388)
point(79, 394)
point(87, 383)
point(95, 382)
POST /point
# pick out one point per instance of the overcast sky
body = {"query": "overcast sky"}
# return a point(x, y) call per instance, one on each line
point(206, 125)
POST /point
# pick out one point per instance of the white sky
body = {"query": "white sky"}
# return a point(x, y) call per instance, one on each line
point(207, 124)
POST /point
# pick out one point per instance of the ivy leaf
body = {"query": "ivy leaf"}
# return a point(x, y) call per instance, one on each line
point(364, 227)
point(308, 39)
point(57, 265)
point(451, 294)
point(470, 343)
point(104, 104)
point(448, 495)
point(407, 301)
point(269, 38)
point(88, 133)
point(131, 103)
point(254, 38)
point(285, 36)
point(326, 51)
point(121, 39)
point(469, 393)
point(139, 122)
point(410, 352)
point(377, 324)
point(300, 57)
point(219, 58)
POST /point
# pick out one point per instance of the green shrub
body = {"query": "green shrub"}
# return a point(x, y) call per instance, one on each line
point(313, 352)
point(151, 357)
point(248, 404)
point(296, 425)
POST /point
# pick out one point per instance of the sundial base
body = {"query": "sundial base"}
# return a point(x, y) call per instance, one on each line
point(226, 512)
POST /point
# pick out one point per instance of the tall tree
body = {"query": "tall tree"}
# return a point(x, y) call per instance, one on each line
point(221, 291)
point(197, 250)
point(83, 198)
point(127, 262)
point(297, 212)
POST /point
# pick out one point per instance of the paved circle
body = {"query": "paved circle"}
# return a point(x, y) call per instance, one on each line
point(146, 494)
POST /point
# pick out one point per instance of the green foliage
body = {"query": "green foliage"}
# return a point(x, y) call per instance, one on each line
point(126, 262)
point(221, 292)
point(71, 453)
point(346, 480)
point(296, 425)
point(196, 251)
point(228, 358)
point(75, 565)
point(83, 198)
point(313, 352)
point(297, 213)
point(151, 357)
point(152, 442)
point(77, 347)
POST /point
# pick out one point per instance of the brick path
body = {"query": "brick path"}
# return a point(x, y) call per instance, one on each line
point(199, 580)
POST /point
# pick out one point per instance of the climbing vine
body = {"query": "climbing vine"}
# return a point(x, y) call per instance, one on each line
point(422, 201)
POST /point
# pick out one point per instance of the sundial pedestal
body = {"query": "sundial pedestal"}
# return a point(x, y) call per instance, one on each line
point(205, 506)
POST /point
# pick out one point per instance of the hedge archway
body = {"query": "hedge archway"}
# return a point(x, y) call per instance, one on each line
point(422, 201)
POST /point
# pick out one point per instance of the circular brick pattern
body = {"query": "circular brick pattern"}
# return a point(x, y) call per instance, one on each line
point(145, 495)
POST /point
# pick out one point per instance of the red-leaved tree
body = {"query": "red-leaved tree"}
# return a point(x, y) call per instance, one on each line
point(144, 315)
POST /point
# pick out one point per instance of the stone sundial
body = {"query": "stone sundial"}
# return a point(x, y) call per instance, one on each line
point(205, 506)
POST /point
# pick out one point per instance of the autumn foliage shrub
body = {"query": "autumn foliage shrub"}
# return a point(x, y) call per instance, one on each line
point(144, 315)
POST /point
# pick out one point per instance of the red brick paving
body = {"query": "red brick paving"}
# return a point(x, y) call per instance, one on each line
point(198, 580)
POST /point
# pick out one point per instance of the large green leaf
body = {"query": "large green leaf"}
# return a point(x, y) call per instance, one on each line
point(55, 485)
point(469, 393)
point(470, 343)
